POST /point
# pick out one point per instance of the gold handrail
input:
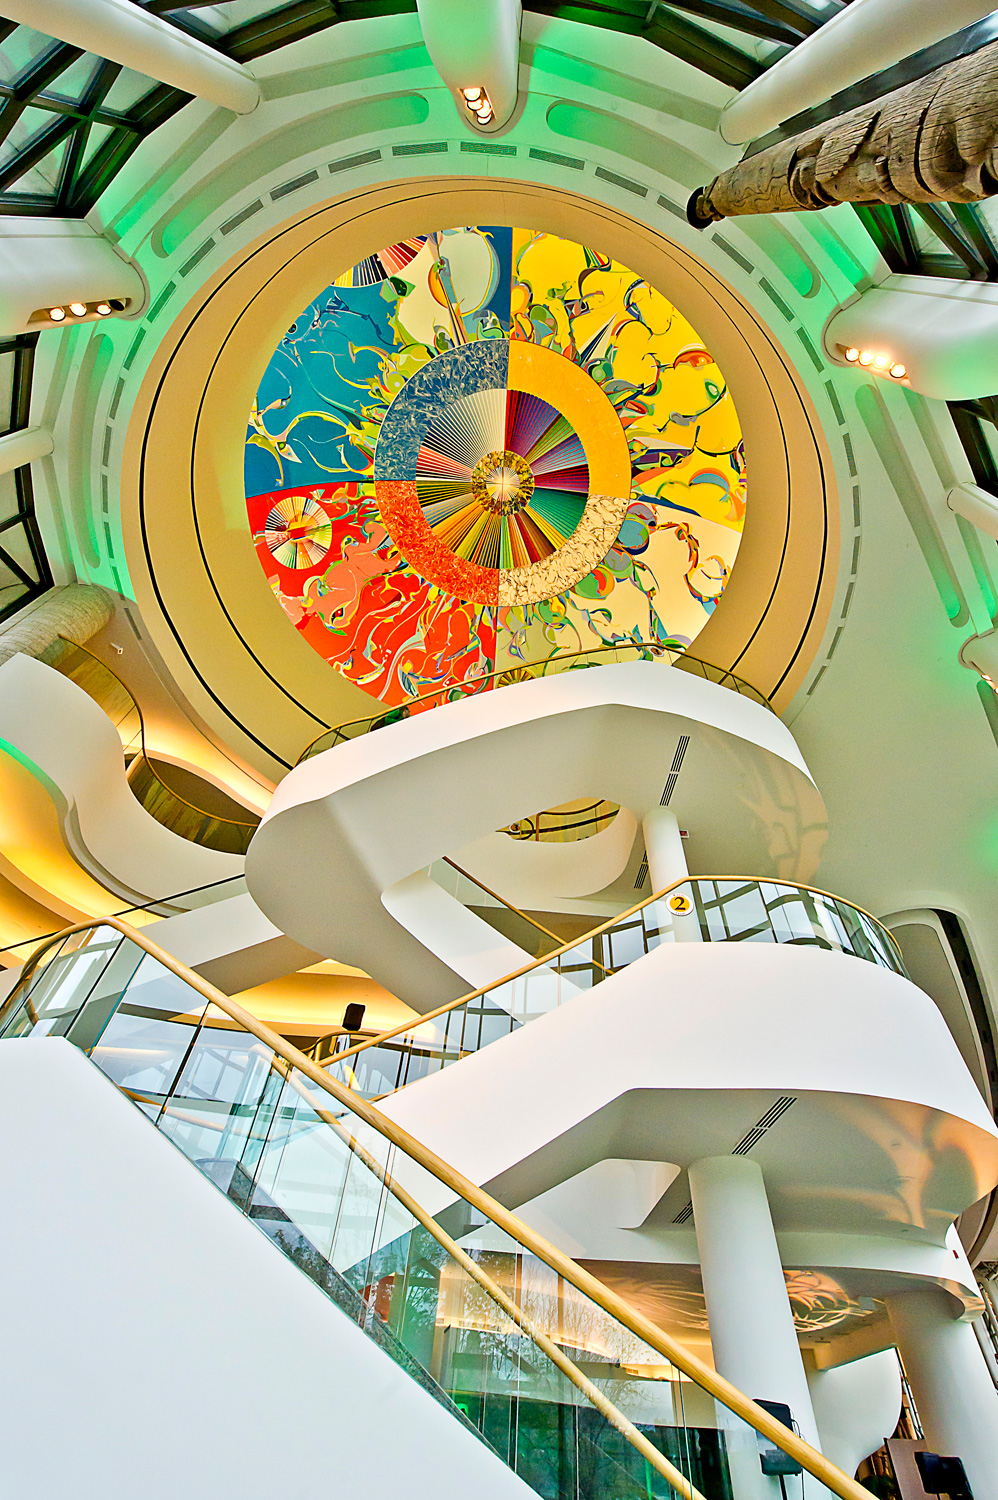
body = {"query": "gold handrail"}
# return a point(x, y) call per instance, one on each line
point(517, 912)
point(141, 759)
point(538, 963)
point(616, 1306)
point(476, 683)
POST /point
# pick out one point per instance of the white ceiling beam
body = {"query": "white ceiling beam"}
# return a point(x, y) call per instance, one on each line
point(864, 38)
point(475, 44)
point(126, 34)
point(23, 447)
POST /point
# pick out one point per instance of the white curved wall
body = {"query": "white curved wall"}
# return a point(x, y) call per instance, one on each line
point(348, 824)
point(71, 746)
point(676, 1056)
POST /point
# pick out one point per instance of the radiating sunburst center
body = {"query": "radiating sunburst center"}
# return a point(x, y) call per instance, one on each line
point(502, 482)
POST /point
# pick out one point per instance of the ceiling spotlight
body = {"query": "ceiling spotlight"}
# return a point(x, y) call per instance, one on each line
point(852, 355)
point(57, 314)
point(898, 371)
point(473, 95)
point(78, 309)
point(865, 357)
point(880, 361)
point(103, 309)
point(483, 116)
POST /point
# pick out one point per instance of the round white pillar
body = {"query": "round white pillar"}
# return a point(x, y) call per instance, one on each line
point(752, 1329)
point(954, 1393)
point(666, 864)
point(664, 848)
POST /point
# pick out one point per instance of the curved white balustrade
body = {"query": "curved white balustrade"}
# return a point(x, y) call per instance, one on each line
point(351, 823)
point(679, 1054)
point(70, 745)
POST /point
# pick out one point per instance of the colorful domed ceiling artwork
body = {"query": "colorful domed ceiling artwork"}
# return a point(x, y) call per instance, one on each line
point(490, 446)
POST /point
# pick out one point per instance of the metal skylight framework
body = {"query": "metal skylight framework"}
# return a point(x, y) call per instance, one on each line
point(70, 120)
point(24, 569)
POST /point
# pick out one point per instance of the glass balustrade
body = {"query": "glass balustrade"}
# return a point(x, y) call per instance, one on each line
point(700, 909)
point(526, 671)
point(414, 1265)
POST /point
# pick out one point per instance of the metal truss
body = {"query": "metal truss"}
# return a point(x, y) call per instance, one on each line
point(24, 568)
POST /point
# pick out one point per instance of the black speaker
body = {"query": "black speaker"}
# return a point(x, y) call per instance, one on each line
point(943, 1476)
point(353, 1016)
point(774, 1461)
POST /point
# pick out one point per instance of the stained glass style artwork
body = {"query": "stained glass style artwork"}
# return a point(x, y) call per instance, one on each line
point(486, 446)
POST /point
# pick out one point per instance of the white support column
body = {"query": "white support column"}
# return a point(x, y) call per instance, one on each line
point(127, 34)
point(752, 1329)
point(475, 44)
point(667, 863)
point(664, 848)
point(978, 506)
point(954, 1393)
point(868, 36)
point(47, 263)
point(23, 447)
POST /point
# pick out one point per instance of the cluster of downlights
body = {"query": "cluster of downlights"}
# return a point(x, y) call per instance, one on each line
point(84, 310)
point(478, 103)
point(882, 364)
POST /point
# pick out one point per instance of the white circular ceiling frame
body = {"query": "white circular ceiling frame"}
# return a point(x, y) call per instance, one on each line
point(197, 580)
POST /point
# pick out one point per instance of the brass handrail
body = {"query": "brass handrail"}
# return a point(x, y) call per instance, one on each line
point(616, 1306)
point(538, 963)
point(139, 906)
point(517, 911)
point(476, 683)
point(142, 757)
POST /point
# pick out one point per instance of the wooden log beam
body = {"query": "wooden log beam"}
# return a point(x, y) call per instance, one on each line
point(935, 140)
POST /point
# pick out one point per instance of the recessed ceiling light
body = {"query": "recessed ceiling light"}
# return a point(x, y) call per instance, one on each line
point(103, 309)
point(57, 314)
point(865, 357)
point(898, 371)
point(473, 95)
point(880, 361)
point(852, 355)
point(78, 309)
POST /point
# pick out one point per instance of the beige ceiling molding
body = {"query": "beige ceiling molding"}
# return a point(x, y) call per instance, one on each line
point(197, 579)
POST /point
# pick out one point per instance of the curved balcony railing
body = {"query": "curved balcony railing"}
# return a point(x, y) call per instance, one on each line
point(551, 666)
point(717, 909)
point(197, 824)
point(482, 1311)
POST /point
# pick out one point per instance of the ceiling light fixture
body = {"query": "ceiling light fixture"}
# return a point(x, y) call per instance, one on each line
point(103, 309)
point(78, 309)
point(852, 355)
point(57, 314)
point(478, 103)
point(880, 361)
point(865, 357)
point(898, 371)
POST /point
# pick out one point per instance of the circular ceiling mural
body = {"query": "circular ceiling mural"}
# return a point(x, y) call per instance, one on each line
point(488, 446)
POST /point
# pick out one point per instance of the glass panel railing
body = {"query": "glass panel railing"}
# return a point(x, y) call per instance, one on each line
point(698, 909)
point(524, 671)
point(583, 1397)
point(12, 955)
point(343, 1204)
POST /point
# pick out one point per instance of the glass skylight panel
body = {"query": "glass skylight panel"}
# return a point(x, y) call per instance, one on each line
point(9, 506)
point(96, 138)
point(73, 83)
point(6, 387)
point(20, 50)
point(126, 90)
